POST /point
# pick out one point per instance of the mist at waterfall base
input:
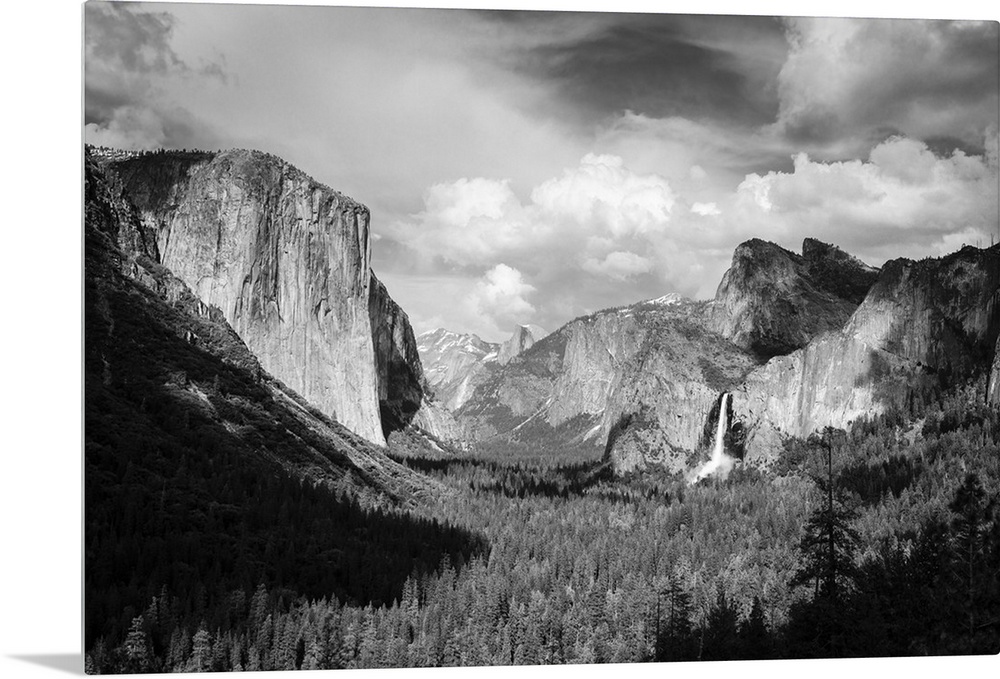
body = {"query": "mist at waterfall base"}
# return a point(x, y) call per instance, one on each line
point(719, 464)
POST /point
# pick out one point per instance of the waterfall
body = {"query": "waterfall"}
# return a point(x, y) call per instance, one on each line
point(720, 431)
point(719, 460)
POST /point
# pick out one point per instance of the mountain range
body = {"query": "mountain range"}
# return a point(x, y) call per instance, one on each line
point(802, 341)
point(281, 266)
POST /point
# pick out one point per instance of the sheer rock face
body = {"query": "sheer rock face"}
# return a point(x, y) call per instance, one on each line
point(993, 392)
point(936, 317)
point(287, 260)
point(404, 398)
point(661, 399)
point(397, 364)
point(145, 325)
point(772, 301)
point(520, 341)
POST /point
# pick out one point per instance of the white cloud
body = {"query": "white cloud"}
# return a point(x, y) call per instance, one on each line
point(129, 127)
point(903, 201)
point(705, 209)
point(602, 190)
point(618, 265)
point(601, 234)
point(578, 236)
point(585, 214)
point(499, 297)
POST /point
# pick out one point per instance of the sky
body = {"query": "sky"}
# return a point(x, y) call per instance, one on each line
point(531, 167)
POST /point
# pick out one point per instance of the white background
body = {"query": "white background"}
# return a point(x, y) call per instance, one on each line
point(40, 338)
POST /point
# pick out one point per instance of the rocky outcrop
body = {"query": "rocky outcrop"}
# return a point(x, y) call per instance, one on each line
point(937, 317)
point(520, 341)
point(399, 375)
point(404, 397)
point(509, 395)
point(133, 237)
point(156, 184)
point(434, 419)
point(287, 260)
point(836, 272)
point(772, 301)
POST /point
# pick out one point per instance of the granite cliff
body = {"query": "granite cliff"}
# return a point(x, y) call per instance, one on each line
point(644, 381)
point(399, 375)
point(165, 371)
point(287, 260)
point(772, 301)
point(937, 319)
point(520, 341)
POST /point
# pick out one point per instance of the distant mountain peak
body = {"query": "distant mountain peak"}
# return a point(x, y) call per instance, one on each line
point(522, 339)
point(668, 299)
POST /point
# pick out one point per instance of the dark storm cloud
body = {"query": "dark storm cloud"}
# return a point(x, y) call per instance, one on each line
point(723, 68)
point(136, 41)
point(848, 85)
point(129, 58)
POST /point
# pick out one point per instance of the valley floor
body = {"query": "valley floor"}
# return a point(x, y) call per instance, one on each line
point(897, 552)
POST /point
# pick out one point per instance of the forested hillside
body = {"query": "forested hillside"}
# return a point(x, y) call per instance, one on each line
point(578, 566)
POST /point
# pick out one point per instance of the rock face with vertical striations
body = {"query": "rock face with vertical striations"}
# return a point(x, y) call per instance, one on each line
point(937, 318)
point(397, 363)
point(164, 372)
point(772, 301)
point(520, 341)
point(993, 391)
point(287, 260)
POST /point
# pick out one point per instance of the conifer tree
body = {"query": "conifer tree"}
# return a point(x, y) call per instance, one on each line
point(137, 656)
point(972, 515)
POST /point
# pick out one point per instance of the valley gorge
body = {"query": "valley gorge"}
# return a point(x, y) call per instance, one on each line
point(420, 337)
point(218, 497)
point(802, 341)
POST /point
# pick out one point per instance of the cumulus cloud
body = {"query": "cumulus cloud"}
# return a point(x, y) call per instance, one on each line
point(576, 234)
point(602, 191)
point(903, 201)
point(499, 298)
point(848, 83)
point(618, 265)
point(588, 209)
point(705, 209)
point(578, 249)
